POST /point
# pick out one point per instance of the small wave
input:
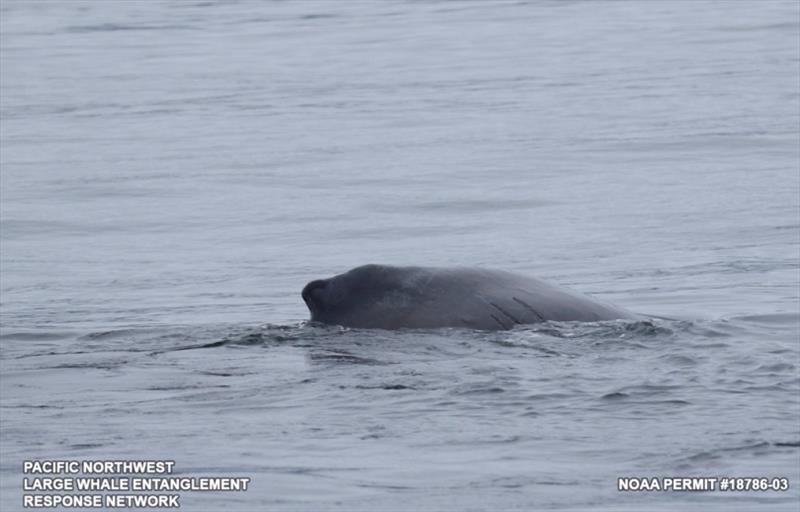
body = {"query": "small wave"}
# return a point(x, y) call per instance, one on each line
point(341, 357)
point(776, 368)
point(269, 334)
point(388, 387)
point(113, 334)
point(36, 336)
point(85, 446)
point(645, 394)
point(478, 389)
point(119, 27)
point(636, 399)
point(476, 205)
point(318, 16)
point(787, 25)
point(89, 365)
point(680, 360)
point(186, 387)
point(752, 448)
point(570, 339)
point(771, 319)
point(615, 329)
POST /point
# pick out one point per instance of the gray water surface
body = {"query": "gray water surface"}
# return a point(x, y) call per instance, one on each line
point(173, 173)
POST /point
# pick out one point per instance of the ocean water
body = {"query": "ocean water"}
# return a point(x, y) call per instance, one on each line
point(172, 173)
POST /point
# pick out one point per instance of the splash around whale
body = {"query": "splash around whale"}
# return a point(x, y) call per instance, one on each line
point(388, 297)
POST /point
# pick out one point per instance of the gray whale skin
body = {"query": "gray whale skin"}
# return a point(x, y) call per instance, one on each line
point(386, 297)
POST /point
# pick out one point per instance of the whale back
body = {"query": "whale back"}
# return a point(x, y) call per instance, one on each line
point(387, 297)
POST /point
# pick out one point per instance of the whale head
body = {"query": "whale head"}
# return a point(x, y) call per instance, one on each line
point(360, 297)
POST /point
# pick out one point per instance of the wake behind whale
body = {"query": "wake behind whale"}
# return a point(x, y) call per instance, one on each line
point(388, 297)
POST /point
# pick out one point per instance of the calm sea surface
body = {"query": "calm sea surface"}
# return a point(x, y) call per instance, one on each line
point(173, 173)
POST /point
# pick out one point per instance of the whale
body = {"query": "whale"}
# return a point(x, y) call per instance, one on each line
point(394, 297)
